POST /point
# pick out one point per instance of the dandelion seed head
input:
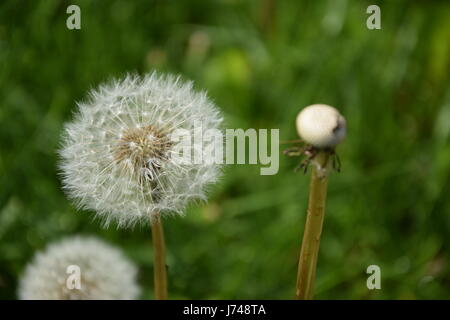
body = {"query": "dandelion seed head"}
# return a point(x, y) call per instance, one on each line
point(104, 272)
point(321, 126)
point(117, 154)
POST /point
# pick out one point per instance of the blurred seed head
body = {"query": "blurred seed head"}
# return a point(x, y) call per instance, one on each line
point(117, 155)
point(321, 126)
point(156, 58)
point(198, 45)
point(105, 273)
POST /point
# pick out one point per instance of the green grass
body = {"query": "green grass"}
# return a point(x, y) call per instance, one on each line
point(388, 207)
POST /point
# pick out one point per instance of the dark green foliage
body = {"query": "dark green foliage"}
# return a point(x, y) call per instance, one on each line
point(389, 206)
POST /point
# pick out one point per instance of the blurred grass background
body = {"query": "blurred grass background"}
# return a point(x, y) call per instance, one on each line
point(261, 61)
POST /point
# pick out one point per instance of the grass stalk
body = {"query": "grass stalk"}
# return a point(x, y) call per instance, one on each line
point(159, 248)
point(313, 227)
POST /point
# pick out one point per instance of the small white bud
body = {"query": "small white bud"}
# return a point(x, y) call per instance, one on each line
point(321, 126)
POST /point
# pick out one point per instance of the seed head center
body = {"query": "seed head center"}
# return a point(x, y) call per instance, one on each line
point(145, 148)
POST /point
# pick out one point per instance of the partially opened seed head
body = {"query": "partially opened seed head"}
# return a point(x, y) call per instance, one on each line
point(321, 126)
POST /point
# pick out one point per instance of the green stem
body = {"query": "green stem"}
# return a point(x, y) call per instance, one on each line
point(160, 271)
point(313, 228)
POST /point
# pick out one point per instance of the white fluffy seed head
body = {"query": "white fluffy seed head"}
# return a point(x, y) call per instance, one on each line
point(321, 126)
point(104, 272)
point(117, 157)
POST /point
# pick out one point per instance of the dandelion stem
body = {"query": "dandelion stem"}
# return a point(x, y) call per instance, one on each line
point(313, 228)
point(160, 272)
